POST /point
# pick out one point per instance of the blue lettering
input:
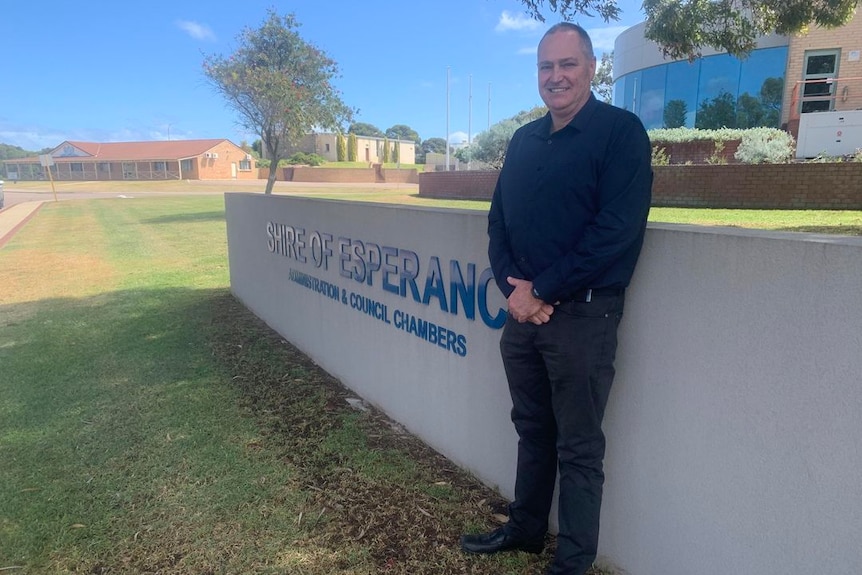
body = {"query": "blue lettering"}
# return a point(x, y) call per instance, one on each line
point(495, 322)
point(373, 261)
point(388, 269)
point(320, 249)
point(434, 284)
point(409, 272)
point(466, 290)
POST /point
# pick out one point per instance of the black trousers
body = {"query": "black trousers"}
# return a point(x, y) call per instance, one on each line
point(560, 375)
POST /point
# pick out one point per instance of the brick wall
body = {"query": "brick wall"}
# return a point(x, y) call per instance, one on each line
point(770, 186)
point(698, 152)
point(469, 185)
point(343, 175)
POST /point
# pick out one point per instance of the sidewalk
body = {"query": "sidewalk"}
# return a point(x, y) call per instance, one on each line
point(14, 217)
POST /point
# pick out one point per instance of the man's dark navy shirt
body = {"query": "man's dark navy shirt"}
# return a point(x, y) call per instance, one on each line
point(570, 207)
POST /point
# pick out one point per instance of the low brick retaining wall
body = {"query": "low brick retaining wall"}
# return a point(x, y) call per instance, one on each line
point(343, 175)
point(828, 186)
point(468, 185)
point(699, 151)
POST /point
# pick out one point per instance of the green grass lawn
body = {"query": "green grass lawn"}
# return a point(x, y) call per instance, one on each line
point(149, 423)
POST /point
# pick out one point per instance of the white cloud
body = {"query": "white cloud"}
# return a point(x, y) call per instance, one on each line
point(457, 138)
point(603, 38)
point(528, 51)
point(516, 22)
point(196, 30)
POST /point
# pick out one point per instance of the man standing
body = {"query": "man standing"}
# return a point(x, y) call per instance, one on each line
point(566, 226)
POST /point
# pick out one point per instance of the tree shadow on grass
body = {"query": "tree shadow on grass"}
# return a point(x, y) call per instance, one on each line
point(213, 216)
point(118, 410)
point(831, 230)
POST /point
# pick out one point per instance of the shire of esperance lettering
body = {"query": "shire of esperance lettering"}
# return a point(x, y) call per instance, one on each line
point(456, 287)
point(430, 332)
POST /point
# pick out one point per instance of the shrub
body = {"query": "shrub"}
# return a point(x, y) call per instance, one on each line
point(305, 159)
point(660, 157)
point(765, 145)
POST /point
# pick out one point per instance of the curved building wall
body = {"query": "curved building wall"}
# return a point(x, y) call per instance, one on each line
point(715, 90)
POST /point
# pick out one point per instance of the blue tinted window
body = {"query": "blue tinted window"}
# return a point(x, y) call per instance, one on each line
point(652, 96)
point(681, 94)
point(711, 92)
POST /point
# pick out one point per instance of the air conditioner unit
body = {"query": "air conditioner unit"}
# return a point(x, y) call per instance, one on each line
point(248, 156)
point(214, 156)
point(208, 155)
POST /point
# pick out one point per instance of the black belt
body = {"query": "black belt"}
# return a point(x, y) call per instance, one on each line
point(586, 295)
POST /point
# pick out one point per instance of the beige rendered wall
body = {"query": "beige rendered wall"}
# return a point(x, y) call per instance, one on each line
point(849, 40)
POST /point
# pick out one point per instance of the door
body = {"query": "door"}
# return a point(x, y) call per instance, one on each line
point(233, 170)
point(819, 72)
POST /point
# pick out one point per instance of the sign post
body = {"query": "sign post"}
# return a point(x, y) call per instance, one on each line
point(47, 160)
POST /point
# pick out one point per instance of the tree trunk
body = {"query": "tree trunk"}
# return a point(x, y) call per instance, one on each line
point(270, 181)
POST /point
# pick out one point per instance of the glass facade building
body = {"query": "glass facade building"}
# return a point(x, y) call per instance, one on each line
point(714, 91)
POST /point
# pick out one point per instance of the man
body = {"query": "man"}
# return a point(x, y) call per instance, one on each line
point(566, 226)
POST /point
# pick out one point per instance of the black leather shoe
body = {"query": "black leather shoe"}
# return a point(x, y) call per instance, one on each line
point(499, 540)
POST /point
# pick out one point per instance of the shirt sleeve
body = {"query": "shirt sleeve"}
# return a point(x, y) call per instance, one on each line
point(613, 236)
point(499, 249)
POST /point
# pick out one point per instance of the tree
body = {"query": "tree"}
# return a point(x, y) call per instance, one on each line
point(363, 129)
point(280, 85)
point(396, 152)
point(402, 132)
point(490, 146)
point(683, 27)
point(352, 147)
point(720, 112)
point(385, 158)
point(603, 81)
point(430, 146)
point(675, 112)
point(340, 147)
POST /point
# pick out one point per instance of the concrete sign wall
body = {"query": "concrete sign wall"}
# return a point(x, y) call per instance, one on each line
point(734, 424)
point(397, 303)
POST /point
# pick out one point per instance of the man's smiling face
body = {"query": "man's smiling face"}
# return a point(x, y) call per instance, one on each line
point(565, 73)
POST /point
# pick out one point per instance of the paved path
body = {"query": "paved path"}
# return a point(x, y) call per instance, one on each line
point(13, 218)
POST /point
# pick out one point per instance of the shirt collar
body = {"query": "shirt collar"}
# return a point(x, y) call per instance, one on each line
point(578, 123)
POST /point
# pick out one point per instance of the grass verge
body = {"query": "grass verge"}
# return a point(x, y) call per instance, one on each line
point(149, 423)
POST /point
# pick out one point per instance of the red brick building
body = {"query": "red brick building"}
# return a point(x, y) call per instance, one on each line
point(157, 160)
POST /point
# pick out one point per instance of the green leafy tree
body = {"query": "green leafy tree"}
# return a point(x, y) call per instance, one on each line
point(402, 132)
point(603, 81)
point(363, 129)
point(675, 112)
point(396, 151)
point(683, 27)
point(490, 146)
point(280, 85)
point(717, 113)
point(431, 145)
point(385, 157)
point(352, 147)
point(340, 147)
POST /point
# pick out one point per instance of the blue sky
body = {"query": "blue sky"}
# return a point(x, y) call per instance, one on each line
point(130, 71)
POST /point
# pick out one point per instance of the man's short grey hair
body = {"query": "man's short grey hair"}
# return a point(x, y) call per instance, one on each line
point(569, 27)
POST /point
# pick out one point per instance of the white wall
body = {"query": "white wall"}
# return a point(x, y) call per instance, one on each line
point(734, 432)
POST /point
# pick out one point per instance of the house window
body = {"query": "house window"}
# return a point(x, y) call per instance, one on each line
point(245, 165)
point(76, 167)
point(159, 167)
point(186, 165)
point(104, 167)
point(327, 147)
point(821, 69)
